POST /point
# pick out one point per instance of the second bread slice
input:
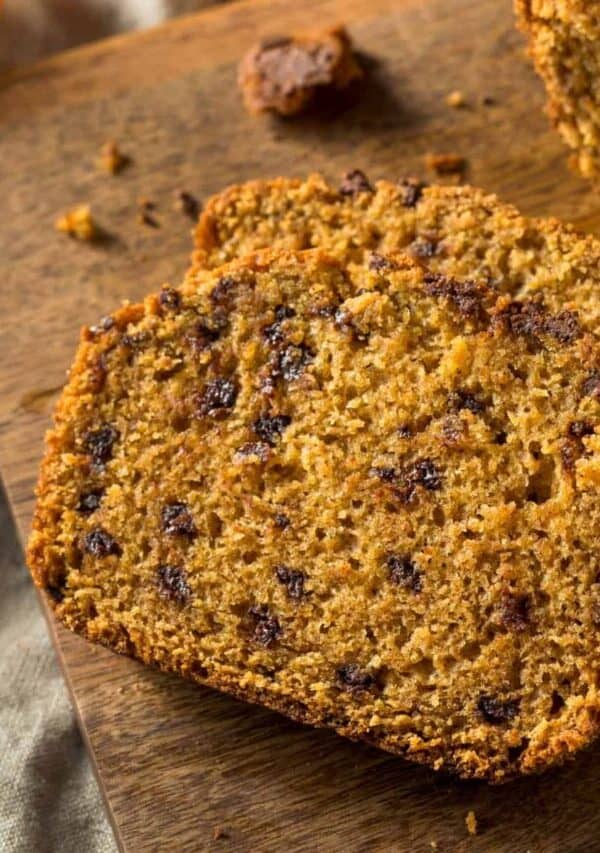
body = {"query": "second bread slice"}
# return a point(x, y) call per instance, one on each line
point(458, 231)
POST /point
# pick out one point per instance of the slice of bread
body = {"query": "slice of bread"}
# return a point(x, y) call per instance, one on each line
point(367, 499)
point(458, 231)
point(564, 42)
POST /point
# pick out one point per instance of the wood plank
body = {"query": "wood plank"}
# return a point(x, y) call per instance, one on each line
point(175, 761)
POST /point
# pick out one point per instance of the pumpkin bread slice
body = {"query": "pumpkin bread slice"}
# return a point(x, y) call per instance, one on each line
point(367, 499)
point(458, 231)
point(564, 43)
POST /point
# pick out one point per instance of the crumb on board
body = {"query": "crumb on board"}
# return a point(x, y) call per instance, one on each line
point(78, 222)
point(456, 99)
point(112, 159)
point(433, 845)
point(145, 212)
point(187, 203)
point(284, 74)
point(218, 833)
point(471, 822)
point(445, 164)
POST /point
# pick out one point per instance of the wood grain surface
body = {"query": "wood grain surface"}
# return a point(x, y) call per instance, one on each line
point(183, 768)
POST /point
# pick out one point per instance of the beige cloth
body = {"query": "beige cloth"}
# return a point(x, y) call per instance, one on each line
point(49, 800)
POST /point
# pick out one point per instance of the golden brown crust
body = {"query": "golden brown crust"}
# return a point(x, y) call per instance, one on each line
point(563, 42)
point(345, 495)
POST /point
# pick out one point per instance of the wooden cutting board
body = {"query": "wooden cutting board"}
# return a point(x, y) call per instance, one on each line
point(183, 768)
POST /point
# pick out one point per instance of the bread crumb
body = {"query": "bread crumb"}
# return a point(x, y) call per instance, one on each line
point(145, 215)
point(455, 99)
point(445, 164)
point(285, 74)
point(187, 203)
point(218, 833)
point(471, 822)
point(433, 845)
point(78, 223)
point(111, 159)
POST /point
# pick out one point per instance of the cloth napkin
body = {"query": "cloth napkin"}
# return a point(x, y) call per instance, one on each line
point(49, 799)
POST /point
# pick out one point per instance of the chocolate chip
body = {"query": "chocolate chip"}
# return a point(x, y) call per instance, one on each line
point(102, 326)
point(222, 292)
point(273, 333)
point(97, 374)
point(135, 340)
point(379, 263)
point(89, 501)
point(459, 400)
point(515, 611)
point(99, 543)
point(355, 182)
point(564, 327)
point(384, 473)
point(591, 385)
point(352, 678)
point(188, 204)
point(200, 337)
point(284, 312)
point(570, 451)
point(293, 580)
point(405, 431)
point(176, 520)
point(424, 472)
point(579, 429)
point(172, 583)
point(218, 396)
point(524, 319)
point(260, 449)
point(291, 362)
point(270, 427)
point(500, 437)
point(496, 711)
point(530, 318)
point(412, 190)
point(466, 296)
point(169, 299)
point(281, 521)
point(99, 443)
point(404, 572)
point(266, 628)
